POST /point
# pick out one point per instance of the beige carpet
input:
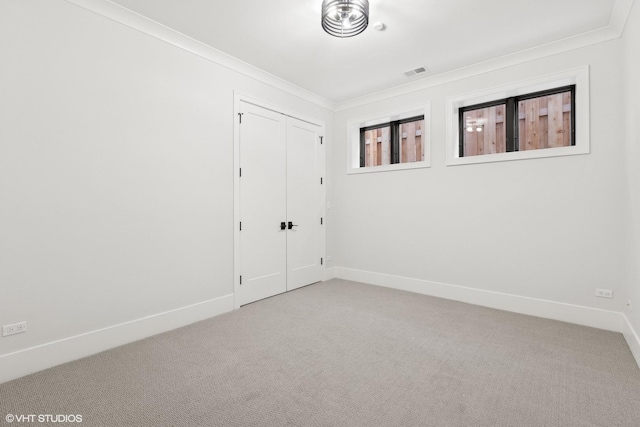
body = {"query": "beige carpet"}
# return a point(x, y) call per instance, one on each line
point(347, 354)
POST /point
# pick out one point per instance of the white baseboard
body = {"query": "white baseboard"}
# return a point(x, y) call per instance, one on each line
point(34, 359)
point(587, 316)
point(632, 339)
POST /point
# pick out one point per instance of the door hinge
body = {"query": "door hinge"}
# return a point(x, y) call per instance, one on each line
point(240, 171)
point(240, 225)
point(320, 180)
point(321, 140)
point(321, 261)
point(240, 117)
point(241, 280)
point(321, 221)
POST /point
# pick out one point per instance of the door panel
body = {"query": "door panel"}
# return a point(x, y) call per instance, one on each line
point(303, 204)
point(263, 245)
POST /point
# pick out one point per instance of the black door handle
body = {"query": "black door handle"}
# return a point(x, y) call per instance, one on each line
point(291, 225)
point(283, 226)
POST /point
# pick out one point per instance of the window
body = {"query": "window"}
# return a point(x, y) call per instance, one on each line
point(534, 121)
point(399, 141)
point(540, 117)
point(389, 141)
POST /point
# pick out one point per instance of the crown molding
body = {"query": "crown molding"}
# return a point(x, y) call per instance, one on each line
point(619, 15)
point(124, 16)
point(131, 19)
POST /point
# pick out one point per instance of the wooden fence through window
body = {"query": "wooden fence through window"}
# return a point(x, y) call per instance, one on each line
point(378, 149)
point(543, 122)
point(378, 146)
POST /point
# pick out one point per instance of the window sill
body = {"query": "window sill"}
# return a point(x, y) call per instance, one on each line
point(388, 168)
point(519, 155)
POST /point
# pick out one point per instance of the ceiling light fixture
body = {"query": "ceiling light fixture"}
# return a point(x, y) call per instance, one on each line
point(345, 18)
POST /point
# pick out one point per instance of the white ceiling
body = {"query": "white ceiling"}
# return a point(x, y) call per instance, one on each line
point(284, 37)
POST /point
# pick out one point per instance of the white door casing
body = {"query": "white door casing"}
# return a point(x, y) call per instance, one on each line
point(280, 165)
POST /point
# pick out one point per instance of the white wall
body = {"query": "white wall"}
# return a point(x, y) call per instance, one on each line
point(631, 43)
point(550, 229)
point(116, 180)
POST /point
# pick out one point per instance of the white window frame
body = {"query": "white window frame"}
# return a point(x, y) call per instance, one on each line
point(577, 76)
point(353, 139)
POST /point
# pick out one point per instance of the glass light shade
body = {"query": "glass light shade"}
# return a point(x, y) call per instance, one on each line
point(345, 18)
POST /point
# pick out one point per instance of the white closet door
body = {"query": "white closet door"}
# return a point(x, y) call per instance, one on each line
point(304, 204)
point(263, 204)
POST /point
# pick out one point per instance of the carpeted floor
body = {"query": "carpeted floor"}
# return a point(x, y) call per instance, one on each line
point(346, 354)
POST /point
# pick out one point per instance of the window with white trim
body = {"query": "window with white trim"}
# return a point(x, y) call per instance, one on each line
point(543, 117)
point(390, 142)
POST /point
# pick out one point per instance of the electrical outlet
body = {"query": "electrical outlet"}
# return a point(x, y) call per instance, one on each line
point(15, 328)
point(604, 293)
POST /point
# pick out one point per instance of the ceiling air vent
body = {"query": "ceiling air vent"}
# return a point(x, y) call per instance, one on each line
point(416, 71)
